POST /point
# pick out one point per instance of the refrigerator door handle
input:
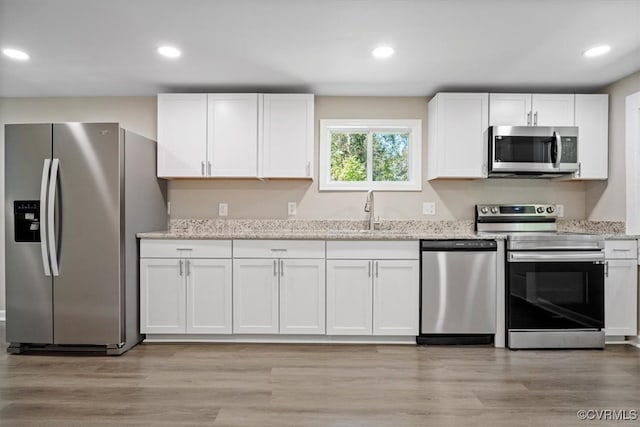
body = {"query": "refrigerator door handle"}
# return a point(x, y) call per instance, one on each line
point(43, 215)
point(53, 252)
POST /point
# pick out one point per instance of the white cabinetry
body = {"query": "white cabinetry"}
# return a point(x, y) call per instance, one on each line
point(524, 109)
point(621, 287)
point(287, 140)
point(372, 296)
point(592, 120)
point(457, 145)
point(181, 293)
point(279, 287)
point(232, 135)
point(182, 134)
point(235, 135)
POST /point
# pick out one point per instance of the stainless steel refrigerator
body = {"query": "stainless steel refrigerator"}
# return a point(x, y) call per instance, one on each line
point(76, 194)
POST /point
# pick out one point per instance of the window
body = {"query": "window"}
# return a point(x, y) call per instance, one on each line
point(370, 155)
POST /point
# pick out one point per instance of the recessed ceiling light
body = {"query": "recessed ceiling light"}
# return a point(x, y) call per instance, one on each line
point(16, 54)
point(382, 52)
point(596, 51)
point(169, 51)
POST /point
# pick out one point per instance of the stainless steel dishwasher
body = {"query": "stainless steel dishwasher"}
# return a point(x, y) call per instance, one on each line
point(457, 291)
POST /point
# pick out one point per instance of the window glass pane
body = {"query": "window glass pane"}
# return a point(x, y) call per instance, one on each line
point(348, 156)
point(391, 156)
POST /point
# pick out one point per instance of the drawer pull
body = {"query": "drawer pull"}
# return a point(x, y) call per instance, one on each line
point(184, 249)
point(278, 250)
point(621, 250)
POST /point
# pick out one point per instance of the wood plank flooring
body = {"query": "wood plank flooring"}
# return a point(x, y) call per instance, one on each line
point(317, 385)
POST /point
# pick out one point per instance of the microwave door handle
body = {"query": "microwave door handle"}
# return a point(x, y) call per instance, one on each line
point(558, 144)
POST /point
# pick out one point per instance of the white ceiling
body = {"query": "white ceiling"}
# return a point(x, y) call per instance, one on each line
point(108, 47)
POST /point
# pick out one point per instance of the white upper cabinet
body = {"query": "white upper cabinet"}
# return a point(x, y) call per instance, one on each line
point(457, 145)
point(287, 148)
point(592, 119)
point(552, 109)
point(232, 136)
point(245, 135)
point(509, 109)
point(182, 132)
point(525, 109)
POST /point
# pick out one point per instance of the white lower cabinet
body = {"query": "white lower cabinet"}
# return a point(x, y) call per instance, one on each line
point(349, 297)
point(255, 296)
point(395, 297)
point(621, 288)
point(162, 297)
point(209, 295)
point(302, 296)
point(372, 296)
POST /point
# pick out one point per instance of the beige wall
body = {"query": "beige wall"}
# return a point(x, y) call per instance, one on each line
point(605, 200)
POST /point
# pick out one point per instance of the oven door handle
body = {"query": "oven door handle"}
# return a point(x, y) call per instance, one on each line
point(556, 257)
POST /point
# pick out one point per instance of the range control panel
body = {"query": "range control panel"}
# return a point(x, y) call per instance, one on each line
point(526, 210)
point(26, 215)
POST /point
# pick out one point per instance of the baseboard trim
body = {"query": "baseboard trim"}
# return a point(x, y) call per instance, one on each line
point(279, 339)
point(3, 315)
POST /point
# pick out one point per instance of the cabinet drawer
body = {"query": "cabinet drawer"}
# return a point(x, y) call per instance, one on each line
point(157, 248)
point(278, 248)
point(621, 249)
point(373, 249)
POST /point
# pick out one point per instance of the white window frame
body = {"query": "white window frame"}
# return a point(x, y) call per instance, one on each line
point(413, 127)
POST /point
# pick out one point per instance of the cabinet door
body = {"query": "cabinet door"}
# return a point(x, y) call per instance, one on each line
point(162, 296)
point(510, 109)
point(621, 297)
point(395, 297)
point(287, 140)
point(209, 288)
point(457, 143)
point(302, 296)
point(182, 134)
point(232, 137)
point(255, 296)
point(553, 109)
point(349, 298)
point(592, 119)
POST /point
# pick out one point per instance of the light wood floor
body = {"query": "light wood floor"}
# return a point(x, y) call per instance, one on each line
point(317, 385)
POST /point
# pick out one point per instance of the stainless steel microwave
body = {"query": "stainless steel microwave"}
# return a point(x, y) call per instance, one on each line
point(532, 151)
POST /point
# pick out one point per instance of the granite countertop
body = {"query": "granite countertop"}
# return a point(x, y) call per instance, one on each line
point(351, 230)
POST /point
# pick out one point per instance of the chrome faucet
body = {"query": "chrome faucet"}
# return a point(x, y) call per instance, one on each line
point(369, 207)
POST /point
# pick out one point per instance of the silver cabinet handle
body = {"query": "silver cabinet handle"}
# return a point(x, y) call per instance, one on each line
point(606, 269)
point(369, 268)
point(278, 250)
point(281, 268)
point(184, 249)
point(535, 119)
point(621, 250)
point(275, 267)
point(209, 168)
point(180, 264)
point(579, 169)
point(202, 168)
point(43, 217)
point(377, 264)
point(188, 267)
point(529, 118)
point(53, 252)
point(308, 168)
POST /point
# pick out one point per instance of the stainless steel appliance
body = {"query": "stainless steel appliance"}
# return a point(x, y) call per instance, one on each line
point(458, 291)
point(76, 194)
point(554, 281)
point(532, 151)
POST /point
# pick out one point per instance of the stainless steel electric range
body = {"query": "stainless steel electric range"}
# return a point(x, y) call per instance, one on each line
point(554, 281)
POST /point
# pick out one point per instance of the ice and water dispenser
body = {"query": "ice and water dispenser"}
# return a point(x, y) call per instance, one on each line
point(27, 220)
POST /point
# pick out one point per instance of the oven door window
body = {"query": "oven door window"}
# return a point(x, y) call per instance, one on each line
point(555, 295)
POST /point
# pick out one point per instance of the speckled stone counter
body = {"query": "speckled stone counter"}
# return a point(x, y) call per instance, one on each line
point(353, 230)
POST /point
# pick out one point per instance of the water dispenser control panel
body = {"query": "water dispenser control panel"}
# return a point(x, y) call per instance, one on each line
point(27, 220)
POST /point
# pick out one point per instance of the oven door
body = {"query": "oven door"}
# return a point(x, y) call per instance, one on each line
point(555, 290)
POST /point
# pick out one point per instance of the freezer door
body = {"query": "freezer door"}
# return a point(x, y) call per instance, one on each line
point(28, 289)
point(87, 292)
